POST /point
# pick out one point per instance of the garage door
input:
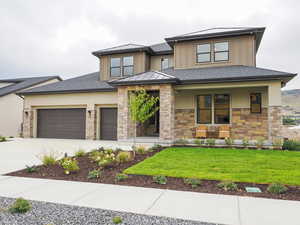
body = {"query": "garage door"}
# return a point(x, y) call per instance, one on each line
point(108, 123)
point(61, 123)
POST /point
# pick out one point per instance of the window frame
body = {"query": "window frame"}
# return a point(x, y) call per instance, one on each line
point(260, 103)
point(112, 67)
point(161, 63)
point(198, 108)
point(203, 53)
point(227, 51)
point(215, 108)
point(131, 66)
point(122, 66)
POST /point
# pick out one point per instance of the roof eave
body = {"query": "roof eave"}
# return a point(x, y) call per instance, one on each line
point(145, 82)
point(142, 49)
point(67, 91)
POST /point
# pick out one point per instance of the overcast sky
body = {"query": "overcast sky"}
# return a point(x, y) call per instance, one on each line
point(56, 37)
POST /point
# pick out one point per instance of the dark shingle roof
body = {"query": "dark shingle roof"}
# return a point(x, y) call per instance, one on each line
point(150, 77)
point(86, 83)
point(161, 48)
point(23, 83)
point(219, 32)
point(122, 49)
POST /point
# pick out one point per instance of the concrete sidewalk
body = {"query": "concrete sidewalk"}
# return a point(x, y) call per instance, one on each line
point(224, 209)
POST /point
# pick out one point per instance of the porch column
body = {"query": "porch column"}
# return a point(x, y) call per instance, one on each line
point(27, 123)
point(167, 113)
point(91, 122)
point(275, 111)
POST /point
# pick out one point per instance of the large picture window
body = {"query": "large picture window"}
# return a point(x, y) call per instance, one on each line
point(203, 53)
point(221, 51)
point(255, 102)
point(121, 66)
point(204, 108)
point(127, 65)
point(115, 67)
point(222, 109)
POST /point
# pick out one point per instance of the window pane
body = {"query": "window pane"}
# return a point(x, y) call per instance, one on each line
point(221, 56)
point(128, 70)
point(204, 103)
point(128, 61)
point(115, 72)
point(164, 63)
point(203, 48)
point(222, 116)
point(115, 62)
point(204, 116)
point(222, 109)
point(222, 101)
point(255, 103)
point(221, 46)
point(203, 57)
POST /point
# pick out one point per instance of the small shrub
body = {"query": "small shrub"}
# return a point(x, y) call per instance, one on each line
point(2, 139)
point(181, 142)
point(259, 143)
point(121, 177)
point(227, 186)
point(277, 143)
point(80, 153)
point(117, 220)
point(140, 149)
point(192, 181)
point(123, 157)
point(94, 174)
point(31, 169)
point(211, 142)
point(199, 142)
point(156, 147)
point(20, 206)
point(160, 179)
point(277, 188)
point(11, 136)
point(245, 142)
point(229, 142)
point(291, 145)
point(49, 159)
point(70, 165)
point(106, 162)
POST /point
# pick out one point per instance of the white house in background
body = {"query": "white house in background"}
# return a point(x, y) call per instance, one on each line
point(11, 105)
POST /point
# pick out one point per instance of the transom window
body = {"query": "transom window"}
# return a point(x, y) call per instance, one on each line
point(121, 66)
point(255, 102)
point(203, 53)
point(221, 51)
point(216, 107)
point(165, 63)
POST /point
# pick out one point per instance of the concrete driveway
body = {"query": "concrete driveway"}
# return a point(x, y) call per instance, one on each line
point(17, 153)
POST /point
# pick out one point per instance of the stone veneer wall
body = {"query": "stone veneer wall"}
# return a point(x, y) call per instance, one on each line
point(185, 126)
point(275, 122)
point(27, 131)
point(249, 125)
point(91, 124)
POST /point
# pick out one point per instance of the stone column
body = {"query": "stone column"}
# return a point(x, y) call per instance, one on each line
point(123, 114)
point(167, 113)
point(28, 123)
point(91, 115)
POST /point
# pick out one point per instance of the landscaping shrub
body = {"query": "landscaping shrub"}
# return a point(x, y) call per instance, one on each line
point(156, 147)
point(121, 177)
point(245, 142)
point(181, 142)
point(139, 149)
point(2, 139)
point(20, 206)
point(227, 186)
point(103, 158)
point(80, 153)
point(277, 143)
point(199, 142)
point(192, 181)
point(160, 179)
point(229, 142)
point(117, 220)
point(259, 143)
point(49, 159)
point(93, 174)
point(277, 188)
point(211, 142)
point(70, 165)
point(123, 157)
point(291, 145)
point(31, 169)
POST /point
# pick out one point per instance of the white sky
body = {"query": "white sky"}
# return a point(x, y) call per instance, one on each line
point(56, 37)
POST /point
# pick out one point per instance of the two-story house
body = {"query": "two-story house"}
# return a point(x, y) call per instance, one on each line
point(207, 77)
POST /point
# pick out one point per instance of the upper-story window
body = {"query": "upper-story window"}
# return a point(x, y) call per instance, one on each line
point(221, 51)
point(165, 63)
point(127, 65)
point(203, 53)
point(115, 67)
point(121, 66)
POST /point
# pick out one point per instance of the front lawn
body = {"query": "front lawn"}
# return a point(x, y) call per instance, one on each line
point(253, 166)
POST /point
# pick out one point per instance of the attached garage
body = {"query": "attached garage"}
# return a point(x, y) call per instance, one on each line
point(108, 123)
point(61, 123)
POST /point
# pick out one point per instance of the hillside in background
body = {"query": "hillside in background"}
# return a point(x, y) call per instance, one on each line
point(291, 102)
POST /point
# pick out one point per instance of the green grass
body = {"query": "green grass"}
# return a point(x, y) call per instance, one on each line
point(257, 166)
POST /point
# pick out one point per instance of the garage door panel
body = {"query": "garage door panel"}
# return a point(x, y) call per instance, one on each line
point(61, 123)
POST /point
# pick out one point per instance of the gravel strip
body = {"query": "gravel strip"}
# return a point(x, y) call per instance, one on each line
point(44, 213)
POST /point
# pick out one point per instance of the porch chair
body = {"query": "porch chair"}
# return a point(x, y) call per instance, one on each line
point(224, 131)
point(201, 131)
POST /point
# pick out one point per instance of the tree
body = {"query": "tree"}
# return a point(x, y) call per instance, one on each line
point(142, 107)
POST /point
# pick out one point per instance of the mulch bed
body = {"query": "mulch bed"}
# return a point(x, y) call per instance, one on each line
point(108, 177)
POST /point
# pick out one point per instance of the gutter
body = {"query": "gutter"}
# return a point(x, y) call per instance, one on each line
point(67, 91)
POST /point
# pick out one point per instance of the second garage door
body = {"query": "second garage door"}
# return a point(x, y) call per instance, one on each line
point(61, 123)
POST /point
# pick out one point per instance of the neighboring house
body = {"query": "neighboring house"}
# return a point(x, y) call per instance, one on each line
point(207, 77)
point(11, 105)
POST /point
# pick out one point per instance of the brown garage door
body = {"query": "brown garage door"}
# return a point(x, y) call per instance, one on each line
point(61, 123)
point(108, 123)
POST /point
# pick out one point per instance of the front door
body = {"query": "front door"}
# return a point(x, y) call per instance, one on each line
point(108, 123)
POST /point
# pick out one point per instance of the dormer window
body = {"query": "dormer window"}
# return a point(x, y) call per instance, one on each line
point(203, 53)
point(121, 66)
point(221, 51)
point(165, 63)
point(127, 65)
point(115, 67)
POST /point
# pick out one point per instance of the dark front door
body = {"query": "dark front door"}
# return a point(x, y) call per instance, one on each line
point(108, 123)
point(61, 123)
